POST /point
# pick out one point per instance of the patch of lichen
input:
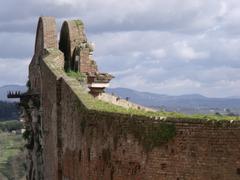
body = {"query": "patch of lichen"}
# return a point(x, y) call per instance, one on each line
point(51, 60)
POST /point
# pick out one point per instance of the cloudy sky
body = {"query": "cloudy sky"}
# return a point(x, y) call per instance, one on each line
point(169, 47)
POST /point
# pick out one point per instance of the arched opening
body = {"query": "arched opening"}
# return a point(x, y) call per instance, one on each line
point(65, 46)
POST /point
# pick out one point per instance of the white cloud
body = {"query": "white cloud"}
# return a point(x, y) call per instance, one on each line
point(13, 71)
point(188, 53)
point(172, 46)
point(159, 53)
point(223, 9)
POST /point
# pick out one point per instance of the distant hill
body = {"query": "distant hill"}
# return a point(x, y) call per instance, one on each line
point(191, 103)
point(4, 90)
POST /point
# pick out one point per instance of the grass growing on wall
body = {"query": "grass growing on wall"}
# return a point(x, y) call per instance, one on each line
point(94, 104)
point(161, 115)
point(77, 75)
point(78, 22)
point(99, 105)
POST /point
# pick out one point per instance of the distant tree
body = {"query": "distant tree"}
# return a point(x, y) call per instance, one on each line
point(230, 113)
point(11, 125)
point(218, 114)
point(8, 111)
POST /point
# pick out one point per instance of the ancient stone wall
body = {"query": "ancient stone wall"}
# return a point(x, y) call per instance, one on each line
point(100, 145)
point(84, 138)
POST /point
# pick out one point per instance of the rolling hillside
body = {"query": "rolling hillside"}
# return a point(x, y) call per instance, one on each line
point(191, 103)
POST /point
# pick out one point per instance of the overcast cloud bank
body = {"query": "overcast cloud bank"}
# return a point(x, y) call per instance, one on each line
point(170, 47)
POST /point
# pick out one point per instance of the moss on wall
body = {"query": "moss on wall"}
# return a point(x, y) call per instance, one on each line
point(152, 135)
point(148, 134)
point(77, 75)
point(79, 23)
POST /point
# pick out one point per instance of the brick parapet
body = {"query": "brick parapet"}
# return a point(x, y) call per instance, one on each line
point(82, 139)
point(94, 148)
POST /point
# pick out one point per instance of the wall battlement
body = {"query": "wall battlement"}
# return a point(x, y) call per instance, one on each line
point(71, 135)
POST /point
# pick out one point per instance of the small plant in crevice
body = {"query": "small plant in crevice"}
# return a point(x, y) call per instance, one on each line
point(78, 22)
point(28, 84)
point(27, 134)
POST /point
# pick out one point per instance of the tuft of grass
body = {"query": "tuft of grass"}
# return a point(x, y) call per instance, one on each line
point(78, 22)
point(77, 75)
point(98, 105)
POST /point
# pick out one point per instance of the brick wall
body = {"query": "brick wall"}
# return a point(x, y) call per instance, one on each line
point(198, 151)
point(82, 143)
point(101, 145)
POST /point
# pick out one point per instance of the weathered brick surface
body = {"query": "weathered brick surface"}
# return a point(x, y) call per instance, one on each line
point(46, 34)
point(199, 151)
point(72, 36)
point(49, 124)
point(80, 143)
point(46, 37)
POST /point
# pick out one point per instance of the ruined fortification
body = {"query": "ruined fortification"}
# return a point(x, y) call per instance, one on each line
point(72, 136)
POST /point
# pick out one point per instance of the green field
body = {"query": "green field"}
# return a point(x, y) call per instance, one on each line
point(11, 156)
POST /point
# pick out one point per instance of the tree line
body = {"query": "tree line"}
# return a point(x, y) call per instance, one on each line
point(8, 111)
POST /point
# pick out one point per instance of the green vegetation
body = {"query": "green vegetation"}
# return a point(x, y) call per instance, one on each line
point(150, 135)
point(153, 135)
point(78, 22)
point(8, 111)
point(93, 104)
point(11, 125)
point(11, 156)
point(77, 75)
point(28, 84)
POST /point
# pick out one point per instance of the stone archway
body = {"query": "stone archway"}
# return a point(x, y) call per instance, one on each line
point(71, 36)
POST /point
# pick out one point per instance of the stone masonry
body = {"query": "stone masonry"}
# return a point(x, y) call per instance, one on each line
point(73, 136)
